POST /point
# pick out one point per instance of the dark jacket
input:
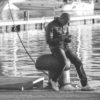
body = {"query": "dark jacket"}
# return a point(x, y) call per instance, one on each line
point(55, 35)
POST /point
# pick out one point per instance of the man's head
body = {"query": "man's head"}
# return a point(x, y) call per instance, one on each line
point(64, 18)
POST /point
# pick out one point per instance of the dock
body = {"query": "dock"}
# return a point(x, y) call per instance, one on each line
point(41, 93)
point(40, 23)
point(49, 95)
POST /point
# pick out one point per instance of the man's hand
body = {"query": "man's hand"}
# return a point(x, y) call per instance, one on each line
point(67, 39)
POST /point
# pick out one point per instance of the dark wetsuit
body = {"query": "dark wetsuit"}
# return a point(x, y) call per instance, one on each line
point(57, 40)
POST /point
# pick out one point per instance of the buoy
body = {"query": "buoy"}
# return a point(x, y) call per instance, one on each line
point(49, 62)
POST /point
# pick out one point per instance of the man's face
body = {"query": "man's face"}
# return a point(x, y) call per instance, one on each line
point(63, 21)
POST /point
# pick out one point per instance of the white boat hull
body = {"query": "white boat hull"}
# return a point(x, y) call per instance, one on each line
point(80, 8)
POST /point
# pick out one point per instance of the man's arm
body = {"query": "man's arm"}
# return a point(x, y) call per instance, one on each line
point(50, 36)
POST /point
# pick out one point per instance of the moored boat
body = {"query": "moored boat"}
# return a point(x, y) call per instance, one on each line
point(21, 83)
point(79, 7)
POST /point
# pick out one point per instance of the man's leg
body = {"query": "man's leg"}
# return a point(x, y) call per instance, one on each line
point(55, 74)
point(60, 55)
point(79, 67)
point(63, 69)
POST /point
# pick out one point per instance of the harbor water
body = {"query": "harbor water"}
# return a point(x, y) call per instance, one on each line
point(16, 62)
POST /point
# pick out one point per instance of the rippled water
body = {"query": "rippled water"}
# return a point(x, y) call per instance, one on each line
point(88, 49)
point(16, 62)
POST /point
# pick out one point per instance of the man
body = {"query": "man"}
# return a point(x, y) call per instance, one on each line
point(58, 38)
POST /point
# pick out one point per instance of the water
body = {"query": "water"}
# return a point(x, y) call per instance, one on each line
point(88, 50)
point(16, 62)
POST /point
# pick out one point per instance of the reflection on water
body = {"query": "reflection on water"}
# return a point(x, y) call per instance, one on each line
point(16, 62)
point(89, 50)
point(13, 56)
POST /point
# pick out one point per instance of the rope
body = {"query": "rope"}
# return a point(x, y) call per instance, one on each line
point(20, 38)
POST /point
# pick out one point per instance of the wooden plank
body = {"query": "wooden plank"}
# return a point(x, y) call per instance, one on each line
point(85, 17)
point(49, 95)
point(31, 21)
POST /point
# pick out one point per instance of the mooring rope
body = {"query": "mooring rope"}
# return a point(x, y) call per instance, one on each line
point(21, 39)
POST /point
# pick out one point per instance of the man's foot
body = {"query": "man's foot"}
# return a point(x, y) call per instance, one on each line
point(54, 85)
point(69, 87)
point(87, 88)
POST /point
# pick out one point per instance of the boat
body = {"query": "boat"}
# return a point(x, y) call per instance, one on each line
point(21, 83)
point(79, 7)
